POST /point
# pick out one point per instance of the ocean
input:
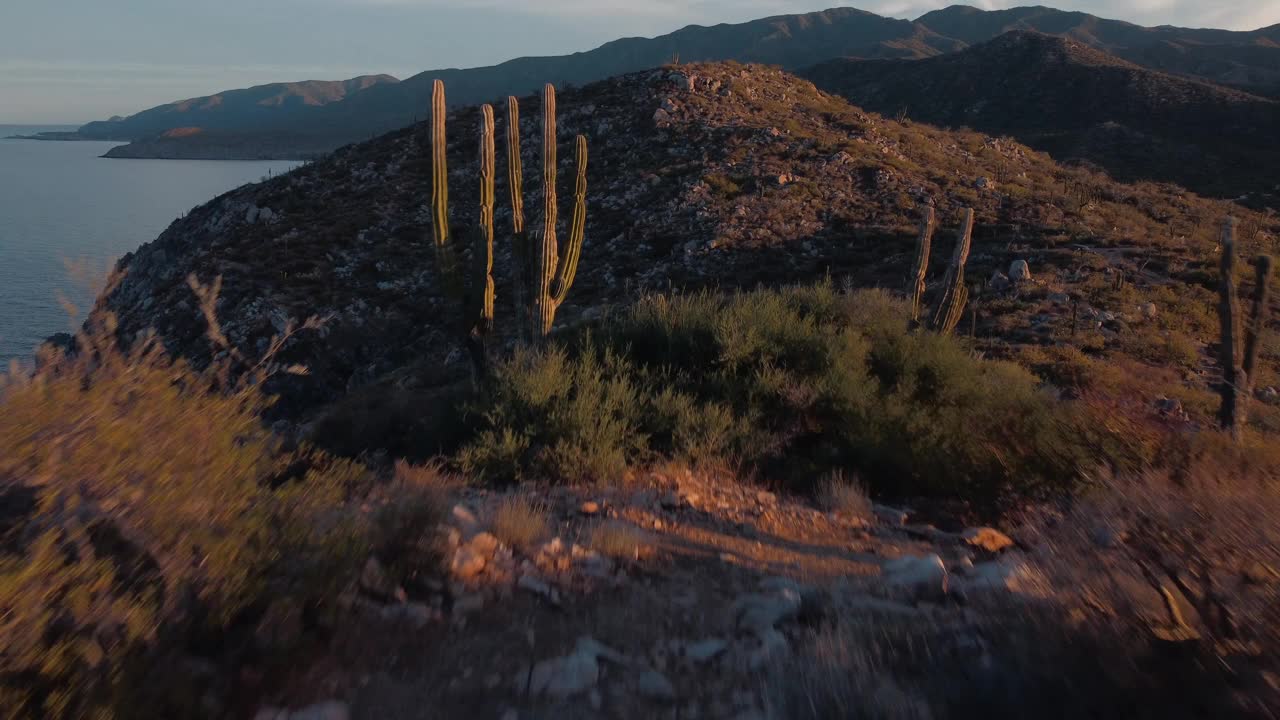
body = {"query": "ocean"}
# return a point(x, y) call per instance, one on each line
point(66, 214)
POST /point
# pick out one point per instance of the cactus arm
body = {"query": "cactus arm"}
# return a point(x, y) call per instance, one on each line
point(916, 284)
point(1258, 317)
point(520, 250)
point(482, 286)
point(569, 263)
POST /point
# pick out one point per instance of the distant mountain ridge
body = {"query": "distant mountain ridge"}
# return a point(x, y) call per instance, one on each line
point(275, 104)
point(1077, 103)
point(247, 126)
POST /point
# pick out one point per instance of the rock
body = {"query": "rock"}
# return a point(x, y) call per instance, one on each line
point(485, 544)
point(590, 507)
point(999, 281)
point(331, 710)
point(1014, 575)
point(374, 580)
point(465, 520)
point(923, 578)
point(1059, 298)
point(653, 684)
point(468, 604)
point(705, 650)
point(415, 615)
point(982, 183)
point(1259, 573)
point(986, 538)
point(554, 546)
point(889, 515)
point(1170, 407)
point(766, 498)
point(773, 645)
point(467, 563)
point(251, 215)
point(661, 116)
point(280, 627)
point(1148, 311)
point(573, 674)
point(1020, 271)
point(760, 612)
point(538, 587)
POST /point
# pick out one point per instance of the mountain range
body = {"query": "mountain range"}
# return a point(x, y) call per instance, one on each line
point(1233, 73)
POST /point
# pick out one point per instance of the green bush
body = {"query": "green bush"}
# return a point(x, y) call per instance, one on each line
point(794, 382)
point(142, 505)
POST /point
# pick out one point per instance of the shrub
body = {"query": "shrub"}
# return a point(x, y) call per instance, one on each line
point(519, 522)
point(793, 382)
point(617, 540)
point(843, 496)
point(145, 504)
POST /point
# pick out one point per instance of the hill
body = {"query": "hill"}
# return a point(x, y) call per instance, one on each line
point(1077, 103)
point(1249, 60)
point(752, 176)
point(265, 107)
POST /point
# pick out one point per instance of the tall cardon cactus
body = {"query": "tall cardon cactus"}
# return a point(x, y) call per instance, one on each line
point(915, 283)
point(955, 294)
point(1239, 363)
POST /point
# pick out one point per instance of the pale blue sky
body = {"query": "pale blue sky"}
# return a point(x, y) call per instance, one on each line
point(70, 61)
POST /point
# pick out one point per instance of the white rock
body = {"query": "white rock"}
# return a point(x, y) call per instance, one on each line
point(760, 612)
point(331, 710)
point(889, 515)
point(924, 578)
point(653, 684)
point(566, 676)
point(1014, 575)
point(706, 650)
point(465, 520)
point(1020, 271)
point(773, 646)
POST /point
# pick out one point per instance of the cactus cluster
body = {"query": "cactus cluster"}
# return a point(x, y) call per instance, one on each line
point(1239, 359)
point(543, 276)
point(954, 294)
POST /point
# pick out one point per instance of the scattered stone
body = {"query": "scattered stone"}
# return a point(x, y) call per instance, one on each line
point(982, 183)
point(766, 498)
point(331, 710)
point(468, 604)
point(1148, 311)
point(566, 676)
point(924, 578)
point(538, 587)
point(999, 281)
point(485, 544)
point(1020, 271)
point(1059, 298)
point(655, 685)
point(760, 612)
point(986, 538)
point(1014, 575)
point(467, 563)
point(465, 520)
point(590, 507)
point(374, 579)
point(706, 650)
point(889, 515)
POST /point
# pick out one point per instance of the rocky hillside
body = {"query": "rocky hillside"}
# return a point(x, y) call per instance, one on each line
point(701, 175)
point(1061, 96)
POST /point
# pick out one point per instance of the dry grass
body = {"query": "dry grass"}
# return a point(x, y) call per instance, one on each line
point(618, 540)
point(520, 522)
point(844, 496)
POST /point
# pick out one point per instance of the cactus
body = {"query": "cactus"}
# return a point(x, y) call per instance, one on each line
point(915, 284)
point(550, 275)
point(955, 294)
point(1237, 367)
point(477, 300)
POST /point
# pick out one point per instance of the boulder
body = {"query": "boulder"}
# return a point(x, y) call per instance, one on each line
point(922, 578)
point(986, 538)
point(1020, 271)
point(467, 563)
point(759, 612)
point(653, 684)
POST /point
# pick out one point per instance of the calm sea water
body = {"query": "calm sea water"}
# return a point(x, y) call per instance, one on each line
point(61, 204)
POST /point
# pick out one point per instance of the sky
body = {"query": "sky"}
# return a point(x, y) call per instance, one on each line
point(71, 61)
